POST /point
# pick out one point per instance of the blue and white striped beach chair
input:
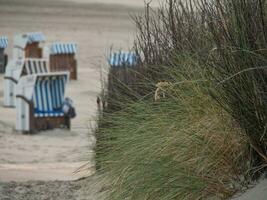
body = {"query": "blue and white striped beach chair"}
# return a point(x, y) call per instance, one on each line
point(40, 100)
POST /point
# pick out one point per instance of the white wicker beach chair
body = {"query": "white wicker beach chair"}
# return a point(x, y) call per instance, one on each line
point(39, 101)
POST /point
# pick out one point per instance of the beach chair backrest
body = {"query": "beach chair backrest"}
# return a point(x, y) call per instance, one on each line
point(48, 95)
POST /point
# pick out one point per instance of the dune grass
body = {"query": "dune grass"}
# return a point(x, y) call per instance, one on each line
point(182, 147)
point(207, 138)
point(227, 38)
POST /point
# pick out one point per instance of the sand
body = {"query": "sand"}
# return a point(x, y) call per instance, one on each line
point(94, 27)
point(31, 165)
point(258, 191)
point(85, 189)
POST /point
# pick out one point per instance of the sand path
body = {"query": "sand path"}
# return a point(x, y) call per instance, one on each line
point(55, 155)
point(41, 166)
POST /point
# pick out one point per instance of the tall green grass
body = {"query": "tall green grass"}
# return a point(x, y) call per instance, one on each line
point(239, 67)
point(228, 40)
point(207, 139)
point(182, 147)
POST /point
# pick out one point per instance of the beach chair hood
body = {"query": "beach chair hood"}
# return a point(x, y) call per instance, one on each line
point(58, 48)
point(21, 40)
point(120, 58)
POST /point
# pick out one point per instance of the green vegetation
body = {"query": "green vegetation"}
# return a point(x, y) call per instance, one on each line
point(183, 147)
point(207, 137)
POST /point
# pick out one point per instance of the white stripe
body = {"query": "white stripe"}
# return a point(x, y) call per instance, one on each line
point(38, 68)
point(33, 67)
point(41, 66)
point(35, 97)
point(39, 100)
point(117, 59)
point(48, 96)
point(130, 59)
point(53, 93)
point(61, 85)
point(44, 95)
point(57, 93)
point(27, 67)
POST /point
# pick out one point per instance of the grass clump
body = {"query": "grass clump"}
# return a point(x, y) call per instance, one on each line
point(182, 147)
point(207, 138)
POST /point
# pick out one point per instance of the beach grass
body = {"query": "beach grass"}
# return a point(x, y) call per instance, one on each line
point(181, 147)
point(206, 136)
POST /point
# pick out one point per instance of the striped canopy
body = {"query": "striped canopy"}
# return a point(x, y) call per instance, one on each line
point(3, 42)
point(48, 96)
point(35, 37)
point(121, 59)
point(63, 48)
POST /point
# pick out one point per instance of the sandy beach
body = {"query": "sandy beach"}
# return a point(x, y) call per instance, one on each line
point(27, 160)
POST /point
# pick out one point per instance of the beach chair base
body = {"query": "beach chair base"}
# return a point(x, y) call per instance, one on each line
point(49, 123)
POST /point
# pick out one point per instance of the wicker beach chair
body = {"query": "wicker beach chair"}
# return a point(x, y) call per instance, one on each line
point(39, 101)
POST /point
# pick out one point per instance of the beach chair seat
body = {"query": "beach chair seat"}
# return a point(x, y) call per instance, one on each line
point(49, 96)
point(54, 113)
